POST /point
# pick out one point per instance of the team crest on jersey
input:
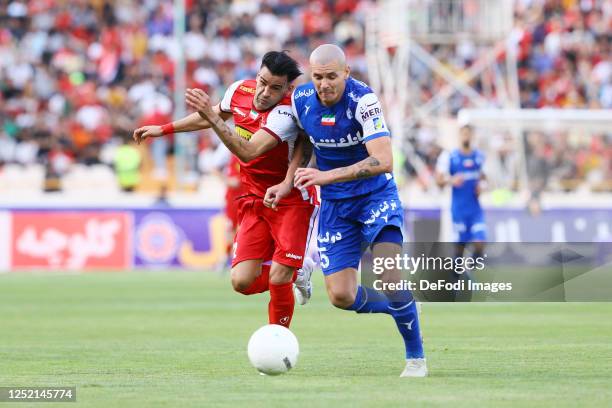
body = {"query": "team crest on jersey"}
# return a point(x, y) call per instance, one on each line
point(328, 120)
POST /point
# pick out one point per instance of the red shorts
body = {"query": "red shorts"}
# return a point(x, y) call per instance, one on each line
point(281, 235)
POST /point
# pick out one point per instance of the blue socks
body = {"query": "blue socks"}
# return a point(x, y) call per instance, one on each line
point(403, 311)
point(406, 318)
point(368, 300)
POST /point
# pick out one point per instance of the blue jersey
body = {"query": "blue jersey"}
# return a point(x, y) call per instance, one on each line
point(339, 133)
point(464, 197)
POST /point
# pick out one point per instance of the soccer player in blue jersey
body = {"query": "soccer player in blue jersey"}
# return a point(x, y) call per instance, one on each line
point(462, 168)
point(344, 122)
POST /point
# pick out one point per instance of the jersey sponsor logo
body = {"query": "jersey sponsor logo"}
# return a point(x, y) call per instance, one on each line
point(350, 140)
point(239, 111)
point(243, 133)
point(287, 113)
point(328, 120)
point(370, 112)
point(303, 92)
point(293, 256)
point(247, 89)
point(468, 163)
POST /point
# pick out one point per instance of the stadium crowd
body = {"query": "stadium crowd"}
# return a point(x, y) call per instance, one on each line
point(76, 77)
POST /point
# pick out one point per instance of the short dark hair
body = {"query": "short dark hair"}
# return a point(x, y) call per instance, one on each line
point(279, 63)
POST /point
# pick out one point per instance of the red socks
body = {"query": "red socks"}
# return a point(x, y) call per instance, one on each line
point(280, 308)
point(260, 284)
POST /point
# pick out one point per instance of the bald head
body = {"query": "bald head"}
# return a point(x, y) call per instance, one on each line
point(328, 54)
point(329, 73)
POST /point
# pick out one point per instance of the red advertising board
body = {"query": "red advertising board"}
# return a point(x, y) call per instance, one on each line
point(74, 240)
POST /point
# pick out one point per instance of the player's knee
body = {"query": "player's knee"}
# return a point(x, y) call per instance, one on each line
point(341, 298)
point(280, 274)
point(240, 283)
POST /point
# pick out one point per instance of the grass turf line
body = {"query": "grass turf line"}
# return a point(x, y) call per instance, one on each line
point(179, 339)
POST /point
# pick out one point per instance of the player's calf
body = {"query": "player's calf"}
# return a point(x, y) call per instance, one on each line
point(282, 302)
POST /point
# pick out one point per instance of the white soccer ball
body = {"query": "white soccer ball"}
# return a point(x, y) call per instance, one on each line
point(273, 349)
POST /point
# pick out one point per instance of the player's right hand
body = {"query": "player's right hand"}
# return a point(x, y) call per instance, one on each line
point(276, 193)
point(145, 132)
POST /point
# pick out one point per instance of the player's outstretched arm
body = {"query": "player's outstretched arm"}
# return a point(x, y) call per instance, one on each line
point(380, 160)
point(246, 150)
point(302, 154)
point(190, 123)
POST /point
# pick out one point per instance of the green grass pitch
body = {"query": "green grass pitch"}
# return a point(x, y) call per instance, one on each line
point(178, 339)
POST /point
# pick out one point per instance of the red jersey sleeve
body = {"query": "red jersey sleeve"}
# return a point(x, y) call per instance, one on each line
point(226, 102)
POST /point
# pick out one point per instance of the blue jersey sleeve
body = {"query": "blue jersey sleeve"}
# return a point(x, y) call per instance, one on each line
point(370, 116)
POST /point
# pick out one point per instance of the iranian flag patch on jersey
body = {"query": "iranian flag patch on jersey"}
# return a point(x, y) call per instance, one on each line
point(328, 120)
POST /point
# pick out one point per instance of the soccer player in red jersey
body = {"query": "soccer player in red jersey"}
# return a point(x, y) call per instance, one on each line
point(265, 139)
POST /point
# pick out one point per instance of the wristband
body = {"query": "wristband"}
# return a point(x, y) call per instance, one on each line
point(167, 129)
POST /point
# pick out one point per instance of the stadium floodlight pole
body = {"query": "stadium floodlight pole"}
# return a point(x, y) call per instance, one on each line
point(184, 144)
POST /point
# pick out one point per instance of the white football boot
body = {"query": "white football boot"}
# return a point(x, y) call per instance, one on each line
point(302, 288)
point(415, 367)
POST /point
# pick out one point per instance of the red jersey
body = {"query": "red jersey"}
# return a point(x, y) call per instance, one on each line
point(271, 167)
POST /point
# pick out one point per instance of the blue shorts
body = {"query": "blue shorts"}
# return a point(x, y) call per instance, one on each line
point(470, 227)
point(347, 227)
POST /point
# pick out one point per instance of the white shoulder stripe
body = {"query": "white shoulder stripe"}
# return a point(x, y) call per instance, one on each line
point(226, 102)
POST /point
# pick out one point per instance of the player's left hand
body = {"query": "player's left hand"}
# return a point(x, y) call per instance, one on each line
point(198, 100)
point(306, 177)
point(276, 193)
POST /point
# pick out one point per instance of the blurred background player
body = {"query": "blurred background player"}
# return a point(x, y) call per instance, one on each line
point(127, 164)
point(264, 140)
point(360, 202)
point(226, 167)
point(232, 193)
point(462, 169)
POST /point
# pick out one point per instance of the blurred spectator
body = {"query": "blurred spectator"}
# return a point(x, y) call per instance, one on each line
point(127, 164)
point(91, 70)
